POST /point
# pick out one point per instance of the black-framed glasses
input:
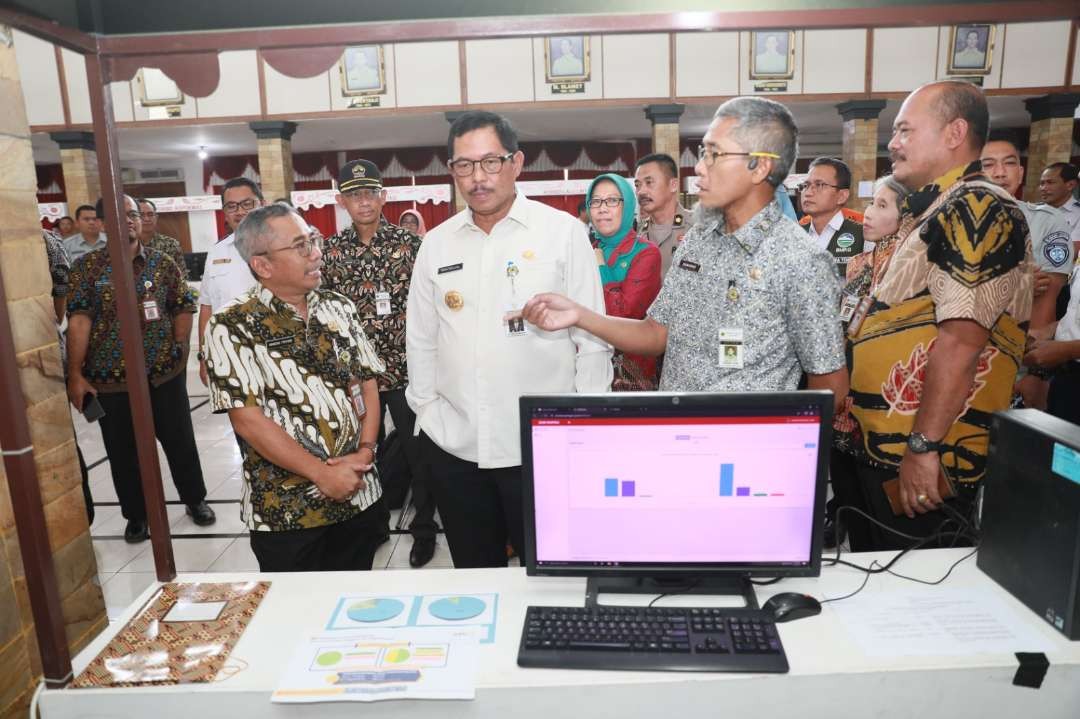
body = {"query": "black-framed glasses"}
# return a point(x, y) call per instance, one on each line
point(248, 204)
point(303, 248)
point(816, 186)
point(492, 165)
point(606, 201)
point(709, 157)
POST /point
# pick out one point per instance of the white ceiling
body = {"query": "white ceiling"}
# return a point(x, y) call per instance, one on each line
point(819, 126)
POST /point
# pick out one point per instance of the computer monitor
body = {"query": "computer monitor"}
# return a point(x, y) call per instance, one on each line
point(685, 487)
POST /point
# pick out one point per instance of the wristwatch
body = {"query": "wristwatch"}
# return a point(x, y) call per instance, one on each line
point(200, 355)
point(372, 446)
point(918, 443)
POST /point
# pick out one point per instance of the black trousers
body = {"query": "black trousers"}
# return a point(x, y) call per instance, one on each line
point(923, 525)
point(172, 426)
point(1064, 398)
point(343, 547)
point(480, 508)
point(423, 525)
point(847, 493)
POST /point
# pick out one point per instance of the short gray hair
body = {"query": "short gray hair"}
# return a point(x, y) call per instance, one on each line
point(900, 190)
point(763, 125)
point(254, 235)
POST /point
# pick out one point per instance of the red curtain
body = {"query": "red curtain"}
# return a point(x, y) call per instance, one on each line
point(322, 218)
point(227, 167)
point(311, 163)
point(433, 214)
point(566, 203)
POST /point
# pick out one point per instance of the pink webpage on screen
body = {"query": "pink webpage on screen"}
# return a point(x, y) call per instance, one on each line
point(675, 489)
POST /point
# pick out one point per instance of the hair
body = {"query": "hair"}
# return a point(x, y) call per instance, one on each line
point(1067, 170)
point(283, 201)
point(900, 190)
point(83, 208)
point(763, 125)
point(242, 182)
point(477, 120)
point(254, 233)
point(843, 172)
point(961, 100)
point(660, 158)
point(144, 201)
point(1006, 135)
point(582, 206)
point(66, 217)
point(99, 206)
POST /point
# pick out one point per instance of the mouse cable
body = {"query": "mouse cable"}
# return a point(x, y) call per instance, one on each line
point(685, 589)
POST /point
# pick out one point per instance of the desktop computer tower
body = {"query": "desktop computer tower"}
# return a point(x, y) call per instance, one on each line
point(1030, 515)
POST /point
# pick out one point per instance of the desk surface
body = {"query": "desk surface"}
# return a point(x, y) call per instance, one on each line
point(830, 675)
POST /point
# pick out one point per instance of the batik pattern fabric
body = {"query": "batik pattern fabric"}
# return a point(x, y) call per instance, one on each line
point(964, 253)
point(171, 247)
point(261, 353)
point(359, 271)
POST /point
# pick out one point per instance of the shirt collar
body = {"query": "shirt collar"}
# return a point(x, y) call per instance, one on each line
point(919, 201)
point(519, 212)
point(278, 305)
point(751, 235)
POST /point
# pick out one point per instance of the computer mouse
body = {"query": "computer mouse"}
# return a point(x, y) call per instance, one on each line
point(789, 606)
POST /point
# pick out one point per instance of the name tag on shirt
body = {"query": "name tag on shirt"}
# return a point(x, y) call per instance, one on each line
point(382, 303)
point(451, 268)
point(279, 342)
point(514, 325)
point(731, 348)
point(689, 265)
point(150, 311)
point(356, 394)
point(223, 261)
point(848, 303)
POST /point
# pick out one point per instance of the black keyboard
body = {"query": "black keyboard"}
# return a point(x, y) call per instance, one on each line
point(654, 638)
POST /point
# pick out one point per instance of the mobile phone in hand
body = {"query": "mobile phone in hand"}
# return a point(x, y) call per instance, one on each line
point(91, 408)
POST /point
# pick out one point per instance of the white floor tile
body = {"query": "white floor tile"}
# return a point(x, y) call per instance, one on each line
point(192, 555)
point(124, 588)
point(116, 523)
point(238, 557)
point(400, 558)
point(385, 552)
point(228, 522)
point(115, 554)
point(230, 488)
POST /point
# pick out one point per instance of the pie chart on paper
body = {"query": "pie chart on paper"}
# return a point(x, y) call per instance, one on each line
point(374, 610)
point(457, 608)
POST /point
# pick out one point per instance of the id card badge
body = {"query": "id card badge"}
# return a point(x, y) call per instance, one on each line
point(731, 348)
point(356, 394)
point(859, 315)
point(382, 303)
point(514, 324)
point(848, 303)
point(150, 311)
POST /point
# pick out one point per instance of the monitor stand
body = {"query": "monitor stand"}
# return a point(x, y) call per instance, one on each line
point(714, 586)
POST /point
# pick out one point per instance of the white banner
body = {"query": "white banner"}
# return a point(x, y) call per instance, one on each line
point(420, 194)
point(791, 182)
point(51, 211)
point(196, 203)
point(548, 188)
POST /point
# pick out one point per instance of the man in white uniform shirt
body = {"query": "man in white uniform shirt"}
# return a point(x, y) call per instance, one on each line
point(226, 276)
point(1056, 187)
point(470, 357)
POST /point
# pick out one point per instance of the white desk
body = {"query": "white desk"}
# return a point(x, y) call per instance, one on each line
point(829, 678)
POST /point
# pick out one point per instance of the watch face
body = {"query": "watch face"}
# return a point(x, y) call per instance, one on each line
point(917, 442)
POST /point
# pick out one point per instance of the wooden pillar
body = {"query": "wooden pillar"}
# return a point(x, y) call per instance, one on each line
point(455, 196)
point(275, 158)
point(80, 166)
point(1051, 136)
point(860, 144)
point(665, 129)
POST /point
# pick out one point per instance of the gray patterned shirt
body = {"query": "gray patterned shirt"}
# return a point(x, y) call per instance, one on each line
point(786, 302)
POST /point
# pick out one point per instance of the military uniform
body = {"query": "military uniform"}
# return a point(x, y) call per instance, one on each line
point(1051, 249)
point(842, 238)
point(666, 237)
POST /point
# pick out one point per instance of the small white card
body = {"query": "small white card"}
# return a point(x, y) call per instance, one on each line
point(382, 303)
point(848, 303)
point(731, 348)
point(195, 611)
point(514, 325)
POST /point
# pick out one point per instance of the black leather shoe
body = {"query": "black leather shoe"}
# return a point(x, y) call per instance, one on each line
point(136, 531)
point(201, 514)
point(422, 551)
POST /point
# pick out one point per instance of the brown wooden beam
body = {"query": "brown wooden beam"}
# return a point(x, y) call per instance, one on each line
point(49, 31)
point(493, 27)
point(29, 514)
point(138, 389)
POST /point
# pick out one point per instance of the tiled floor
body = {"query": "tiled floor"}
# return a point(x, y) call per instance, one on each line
point(126, 570)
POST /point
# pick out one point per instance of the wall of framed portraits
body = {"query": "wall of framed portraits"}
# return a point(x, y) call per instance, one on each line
point(653, 67)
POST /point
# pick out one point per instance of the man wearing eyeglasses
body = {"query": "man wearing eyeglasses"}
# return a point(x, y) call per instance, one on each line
point(150, 237)
point(822, 196)
point(290, 364)
point(96, 367)
point(226, 276)
point(744, 276)
point(470, 357)
point(371, 262)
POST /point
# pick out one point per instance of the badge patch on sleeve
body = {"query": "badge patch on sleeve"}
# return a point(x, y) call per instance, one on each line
point(1056, 249)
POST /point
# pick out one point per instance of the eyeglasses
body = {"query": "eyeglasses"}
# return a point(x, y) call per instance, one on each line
point(248, 204)
point(362, 195)
point(491, 165)
point(606, 201)
point(303, 248)
point(817, 186)
point(709, 157)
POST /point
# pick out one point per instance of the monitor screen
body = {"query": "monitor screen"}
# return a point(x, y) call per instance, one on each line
point(661, 481)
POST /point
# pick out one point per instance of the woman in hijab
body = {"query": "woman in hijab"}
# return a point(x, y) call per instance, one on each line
point(413, 222)
point(629, 268)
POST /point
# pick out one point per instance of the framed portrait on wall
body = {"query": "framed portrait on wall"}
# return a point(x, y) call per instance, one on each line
point(971, 49)
point(772, 55)
point(566, 58)
point(363, 71)
point(157, 89)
